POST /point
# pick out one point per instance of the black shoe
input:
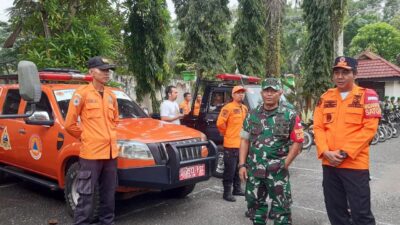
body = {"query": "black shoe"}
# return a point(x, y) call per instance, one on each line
point(229, 197)
point(238, 192)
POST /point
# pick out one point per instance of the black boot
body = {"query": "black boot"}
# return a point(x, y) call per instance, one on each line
point(228, 195)
point(237, 189)
point(238, 192)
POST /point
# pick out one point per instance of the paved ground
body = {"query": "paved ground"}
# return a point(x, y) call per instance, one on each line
point(24, 203)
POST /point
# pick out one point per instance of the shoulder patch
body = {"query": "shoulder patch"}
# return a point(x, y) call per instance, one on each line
point(225, 113)
point(371, 104)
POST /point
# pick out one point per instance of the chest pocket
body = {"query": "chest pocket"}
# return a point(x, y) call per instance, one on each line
point(93, 110)
point(111, 110)
point(354, 115)
point(281, 126)
point(329, 115)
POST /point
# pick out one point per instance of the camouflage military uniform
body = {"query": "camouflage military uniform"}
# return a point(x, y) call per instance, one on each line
point(268, 133)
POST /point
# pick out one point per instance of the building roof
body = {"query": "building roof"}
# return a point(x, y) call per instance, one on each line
point(373, 66)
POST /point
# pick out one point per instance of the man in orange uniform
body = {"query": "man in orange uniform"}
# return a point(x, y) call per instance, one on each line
point(97, 108)
point(345, 121)
point(229, 123)
point(184, 107)
point(197, 103)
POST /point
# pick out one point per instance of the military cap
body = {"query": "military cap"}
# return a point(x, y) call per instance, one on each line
point(273, 83)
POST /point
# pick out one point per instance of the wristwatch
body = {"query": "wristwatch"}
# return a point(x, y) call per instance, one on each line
point(243, 165)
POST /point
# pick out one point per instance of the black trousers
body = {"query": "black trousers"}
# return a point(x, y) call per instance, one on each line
point(345, 188)
point(231, 171)
point(92, 172)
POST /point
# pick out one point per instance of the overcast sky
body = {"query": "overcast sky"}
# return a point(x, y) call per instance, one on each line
point(5, 4)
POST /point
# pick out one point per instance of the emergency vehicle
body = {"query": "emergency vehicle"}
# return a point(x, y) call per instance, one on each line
point(154, 155)
point(215, 95)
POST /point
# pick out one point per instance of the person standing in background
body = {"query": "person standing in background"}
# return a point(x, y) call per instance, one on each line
point(169, 109)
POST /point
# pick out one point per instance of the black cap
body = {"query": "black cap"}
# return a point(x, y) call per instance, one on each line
point(346, 63)
point(100, 63)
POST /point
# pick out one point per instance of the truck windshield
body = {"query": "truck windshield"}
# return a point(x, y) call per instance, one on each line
point(253, 95)
point(126, 106)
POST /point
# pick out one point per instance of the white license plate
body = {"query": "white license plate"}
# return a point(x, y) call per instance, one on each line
point(189, 172)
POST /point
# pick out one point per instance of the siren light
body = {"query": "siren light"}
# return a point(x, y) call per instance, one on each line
point(227, 76)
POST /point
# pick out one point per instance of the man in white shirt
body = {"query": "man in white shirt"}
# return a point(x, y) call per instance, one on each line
point(169, 109)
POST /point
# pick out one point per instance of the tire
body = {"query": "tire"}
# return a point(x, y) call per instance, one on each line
point(308, 140)
point(219, 164)
point(3, 177)
point(382, 134)
point(395, 130)
point(389, 131)
point(71, 195)
point(179, 192)
point(375, 140)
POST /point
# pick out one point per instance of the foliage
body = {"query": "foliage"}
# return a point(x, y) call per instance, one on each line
point(8, 57)
point(248, 37)
point(391, 8)
point(58, 33)
point(203, 25)
point(319, 50)
point(275, 12)
point(146, 46)
point(293, 41)
point(395, 21)
point(380, 38)
point(354, 24)
point(72, 49)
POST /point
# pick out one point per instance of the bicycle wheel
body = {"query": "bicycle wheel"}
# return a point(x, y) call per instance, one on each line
point(382, 134)
point(395, 129)
point(375, 140)
point(307, 140)
point(389, 131)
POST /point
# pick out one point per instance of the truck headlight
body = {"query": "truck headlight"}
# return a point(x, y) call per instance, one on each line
point(134, 150)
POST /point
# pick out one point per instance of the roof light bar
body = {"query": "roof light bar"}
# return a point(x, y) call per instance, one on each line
point(54, 76)
point(227, 76)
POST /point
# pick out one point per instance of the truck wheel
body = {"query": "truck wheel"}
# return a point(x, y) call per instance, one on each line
point(219, 164)
point(3, 176)
point(71, 195)
point(179, 192)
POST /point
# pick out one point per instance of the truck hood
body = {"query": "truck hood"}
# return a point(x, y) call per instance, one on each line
point(148, 130)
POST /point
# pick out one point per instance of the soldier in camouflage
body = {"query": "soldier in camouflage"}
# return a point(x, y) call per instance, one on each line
point(271, 138)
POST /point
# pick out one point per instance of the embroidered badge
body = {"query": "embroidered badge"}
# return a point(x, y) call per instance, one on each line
point(356, 102)
point(330, 104)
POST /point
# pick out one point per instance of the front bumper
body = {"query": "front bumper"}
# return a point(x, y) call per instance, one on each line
point(163, 177)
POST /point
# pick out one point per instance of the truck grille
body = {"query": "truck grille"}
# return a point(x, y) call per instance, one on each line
point(186, 153)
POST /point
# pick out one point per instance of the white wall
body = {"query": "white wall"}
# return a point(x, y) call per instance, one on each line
point(392, 88)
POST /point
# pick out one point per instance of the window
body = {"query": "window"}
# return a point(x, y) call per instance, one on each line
point(42, 105)
point(11, 104)
point(218, 99)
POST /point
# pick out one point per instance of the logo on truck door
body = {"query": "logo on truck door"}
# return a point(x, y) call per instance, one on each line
point(35, 147)
point(5, 140)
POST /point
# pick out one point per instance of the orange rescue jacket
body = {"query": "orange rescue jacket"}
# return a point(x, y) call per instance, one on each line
point(185, 106)
point(230, 123)
point(98, 120)
point(348, 125)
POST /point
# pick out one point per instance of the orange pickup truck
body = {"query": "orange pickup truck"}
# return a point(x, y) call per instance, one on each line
point(154, 155)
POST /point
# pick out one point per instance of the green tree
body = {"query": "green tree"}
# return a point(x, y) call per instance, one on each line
point(391, 8)
point(147, 31)
point(319, 51)
point(249, 37)
point(203, 25)
point(275, 12)
point(354, 24)
point(294, 40)
point(395, 21)
point(57, 33)
point(381, 38)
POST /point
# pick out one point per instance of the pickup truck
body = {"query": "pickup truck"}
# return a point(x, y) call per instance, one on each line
point(154, 155)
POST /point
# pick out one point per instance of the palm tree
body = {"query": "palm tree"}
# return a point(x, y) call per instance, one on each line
point(275, 12)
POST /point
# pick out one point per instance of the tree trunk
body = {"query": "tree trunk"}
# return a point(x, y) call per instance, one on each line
point(9, 43)
point(73, 8)
point(45, 22)
point(338, 45)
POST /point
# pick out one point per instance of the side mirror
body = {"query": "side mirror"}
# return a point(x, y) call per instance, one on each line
point(29, 87)
point(39, 118)
point(29, 82)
